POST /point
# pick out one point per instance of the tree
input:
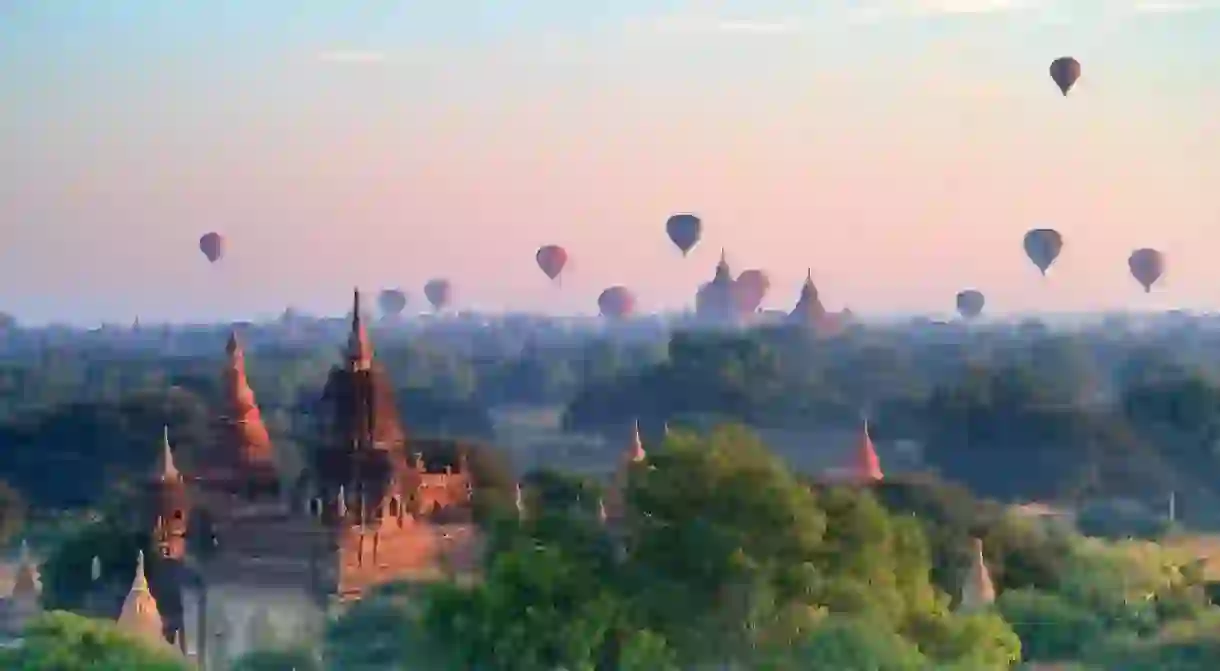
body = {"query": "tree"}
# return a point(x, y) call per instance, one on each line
point(725, 535)
point(851, 644)
point(277, 660)
point(1051, 629)
point(537, 609)
point(59, 641)
point(381, 632)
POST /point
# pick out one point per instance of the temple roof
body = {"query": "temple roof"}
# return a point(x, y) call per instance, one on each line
point(978, 591)
point(245, 442)
point(360, 398)
point(867, 465)
point(635, 448)
point(26, 583)
point(139, 615)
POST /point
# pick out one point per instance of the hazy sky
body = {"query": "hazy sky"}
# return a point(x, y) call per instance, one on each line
point(898, 148)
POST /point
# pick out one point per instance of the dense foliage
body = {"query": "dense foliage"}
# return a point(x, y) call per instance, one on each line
point(728, 553)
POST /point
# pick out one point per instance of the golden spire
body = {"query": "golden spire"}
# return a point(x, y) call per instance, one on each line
point(140, 582)
point(166, 470)
point(978, 591)
point(140, 615)
point(635, 450)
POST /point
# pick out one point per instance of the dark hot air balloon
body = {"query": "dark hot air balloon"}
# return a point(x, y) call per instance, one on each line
point(1065, 71)
point(1042, 246)
point(551, 259)
point(616, 303)
point(212, 246)
point(438, 291)
point(392, 302)
point(684, 230)
point(752, 286)
point(970, 303)
point(1147, 266)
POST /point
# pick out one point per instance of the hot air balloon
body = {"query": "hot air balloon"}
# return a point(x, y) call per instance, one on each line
point(551, 259)
point(1065, 71)
point(1147, 266)
point(438, 291)
point(970, 303)
point(212, 246)
point(616, 303)
point(751, 287)
point(392, 302)
point(1042, 246)
point(684, 230)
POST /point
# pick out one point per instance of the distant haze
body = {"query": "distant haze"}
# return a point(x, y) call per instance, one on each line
point(899, 149)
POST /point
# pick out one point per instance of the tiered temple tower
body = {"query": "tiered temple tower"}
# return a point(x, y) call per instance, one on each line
point(140, 616)
point(228, 539)
point(718, 301)
point(245, 459)
point(809, 311)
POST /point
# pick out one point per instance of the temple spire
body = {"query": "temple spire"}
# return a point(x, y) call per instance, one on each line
point(635, 449)
point(25, 583)
point(723, 273)
point(140, 582)
point(359, 352)
point(868, 465)
point(167, 471)
point(248, 447)
point(978, 591)
point(140, 615)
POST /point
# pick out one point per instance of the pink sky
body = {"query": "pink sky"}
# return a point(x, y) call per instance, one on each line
point(901, 161)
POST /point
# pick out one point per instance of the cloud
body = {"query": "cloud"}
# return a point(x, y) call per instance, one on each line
point(1175, 6)
point(352, 57)
point(721, 26)
point(876, 10)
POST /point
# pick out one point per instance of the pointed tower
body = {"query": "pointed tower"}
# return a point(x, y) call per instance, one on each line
point(809, 311)
point(365, 445)
point(717, 301)
point(866, 468)
point(167, 507)
point(359, 351)
point(27, 585)
point(23, 604)
point(978, 592)
point(140, 616)
point(246, 456)
point(635, 449)
point(362, 410)
point(520, 503)
point(723, 273)
point(633, 456)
